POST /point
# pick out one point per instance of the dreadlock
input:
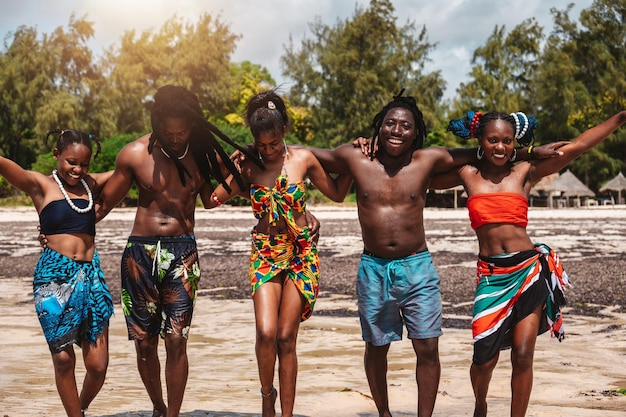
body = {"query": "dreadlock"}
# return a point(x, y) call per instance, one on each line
point(406, 102)
point(70, 136)
point(178, 102)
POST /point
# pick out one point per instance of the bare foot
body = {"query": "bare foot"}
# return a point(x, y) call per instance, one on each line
point(269, 400)
point(480, 410)
point(159, 413)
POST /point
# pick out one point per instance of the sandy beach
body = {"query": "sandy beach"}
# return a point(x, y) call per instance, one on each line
point(575, 378)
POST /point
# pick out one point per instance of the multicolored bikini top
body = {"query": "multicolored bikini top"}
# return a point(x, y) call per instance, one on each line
point(280, 200)
point(57, 218)
point(507, 208)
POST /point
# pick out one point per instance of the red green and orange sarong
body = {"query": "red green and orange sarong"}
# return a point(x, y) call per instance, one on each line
point(296, 256)
point(509, 288)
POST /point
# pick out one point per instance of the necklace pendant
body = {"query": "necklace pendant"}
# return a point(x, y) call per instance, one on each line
point(178, 157)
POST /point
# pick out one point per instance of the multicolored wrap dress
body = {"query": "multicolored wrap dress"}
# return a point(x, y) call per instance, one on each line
point(72, 299)
point(292, 253)
point(509, 288)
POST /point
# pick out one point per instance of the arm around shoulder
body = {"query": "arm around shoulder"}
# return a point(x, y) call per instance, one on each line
point(100, 179)
point(119, 181)
point(446, 159)
point(212, 198)
point(332, 160)
point(334, 188)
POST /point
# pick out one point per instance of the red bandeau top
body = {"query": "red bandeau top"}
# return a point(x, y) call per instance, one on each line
point(506, 207)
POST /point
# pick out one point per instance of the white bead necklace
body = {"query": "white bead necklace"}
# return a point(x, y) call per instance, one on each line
point(67, 197)
point(179, 157)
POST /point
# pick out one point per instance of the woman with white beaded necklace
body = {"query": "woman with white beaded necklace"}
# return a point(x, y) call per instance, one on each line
point(520, 284)
point(72, 299)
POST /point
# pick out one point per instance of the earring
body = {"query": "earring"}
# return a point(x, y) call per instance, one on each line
point(260, 156)
point(513, 155)
point(286, 149)
point(480, 152)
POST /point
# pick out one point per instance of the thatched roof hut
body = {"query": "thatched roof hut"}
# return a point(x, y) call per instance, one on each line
point(540, 187)
point(569, 186)
point(618, 183)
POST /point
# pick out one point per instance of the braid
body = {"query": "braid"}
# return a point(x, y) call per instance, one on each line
point(71, 136)
point(474, 124)
point(406, 102)
point(178, 102)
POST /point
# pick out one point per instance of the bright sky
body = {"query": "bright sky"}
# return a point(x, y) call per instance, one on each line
point(457, 26)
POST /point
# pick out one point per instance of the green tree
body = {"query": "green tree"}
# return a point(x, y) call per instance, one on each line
point(25, 72)
point(196, 56)
point(582, 81)
point(345, 73)
point(69, 103)
point(249, 80)
point(45, 83)
point(502, 76)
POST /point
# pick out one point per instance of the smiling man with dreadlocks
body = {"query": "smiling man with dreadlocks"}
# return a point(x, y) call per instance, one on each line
point(160, 270)
point(397, 283)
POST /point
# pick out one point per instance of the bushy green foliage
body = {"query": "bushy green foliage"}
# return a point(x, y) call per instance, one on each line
point(105, 161)
point(345, 73)
point(571, 78)
point(6, 189)
point(110, 148)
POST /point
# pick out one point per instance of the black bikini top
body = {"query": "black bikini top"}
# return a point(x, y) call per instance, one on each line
point(58, 218)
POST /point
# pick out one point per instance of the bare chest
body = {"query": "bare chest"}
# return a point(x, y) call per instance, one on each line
point(158, 174)
point(378, 187)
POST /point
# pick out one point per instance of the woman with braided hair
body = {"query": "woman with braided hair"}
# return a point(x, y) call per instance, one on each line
point(72, 299)
point(171, 167)
point(284, 264)
point(520, 284)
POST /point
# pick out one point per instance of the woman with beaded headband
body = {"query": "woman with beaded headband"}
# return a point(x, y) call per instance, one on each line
point(284, 265)
point(72, 299)
point(520, 284)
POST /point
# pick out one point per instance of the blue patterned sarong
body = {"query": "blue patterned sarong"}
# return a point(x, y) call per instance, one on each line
point(72, 299)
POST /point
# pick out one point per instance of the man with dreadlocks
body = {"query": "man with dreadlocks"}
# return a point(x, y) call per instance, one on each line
point(160, 271)
point(397, 283)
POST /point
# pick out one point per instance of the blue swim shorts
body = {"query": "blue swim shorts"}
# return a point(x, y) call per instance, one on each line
point(396, 291)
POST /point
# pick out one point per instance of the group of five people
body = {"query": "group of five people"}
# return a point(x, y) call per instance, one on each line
point(397, 284)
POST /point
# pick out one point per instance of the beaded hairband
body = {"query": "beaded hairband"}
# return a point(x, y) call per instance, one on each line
point(473, 128)
point(520, 133)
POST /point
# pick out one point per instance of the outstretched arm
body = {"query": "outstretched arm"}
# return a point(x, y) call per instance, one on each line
point(585, 141)
point(457, 157)
point(27, 181)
